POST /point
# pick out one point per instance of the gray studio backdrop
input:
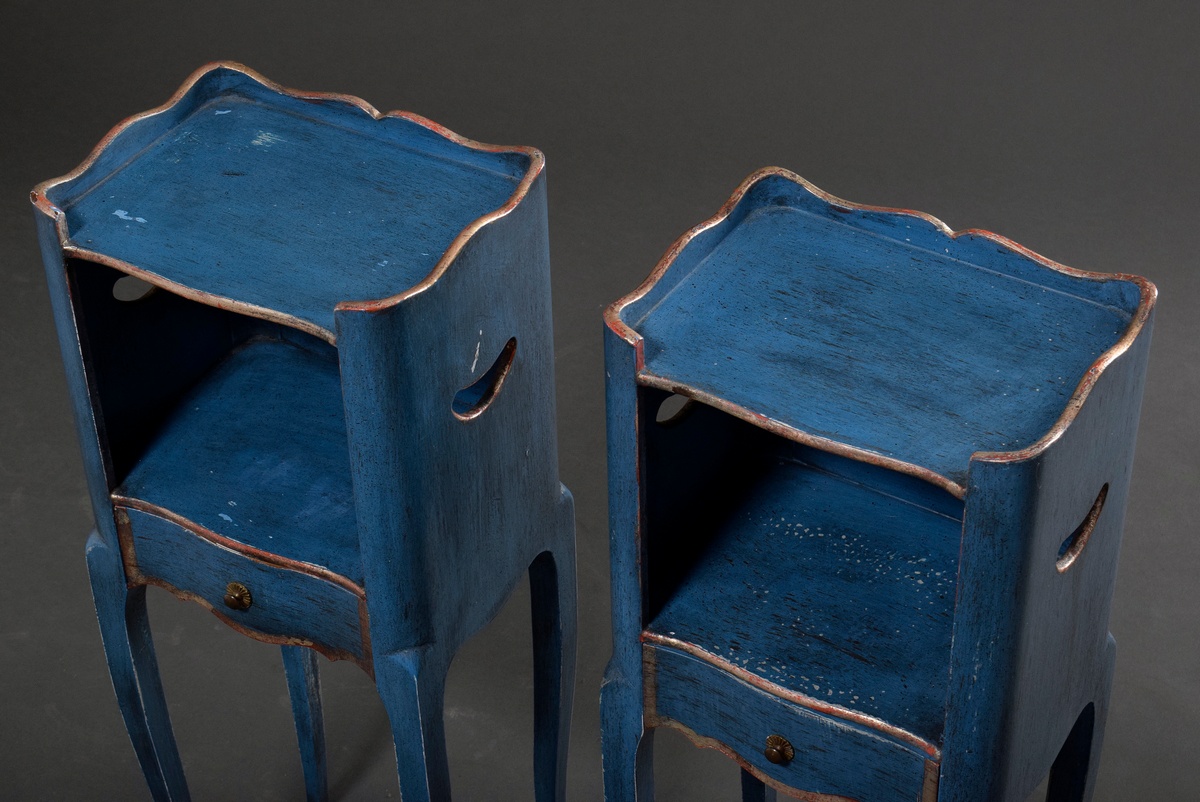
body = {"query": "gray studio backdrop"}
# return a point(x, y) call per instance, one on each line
point(1072, 132)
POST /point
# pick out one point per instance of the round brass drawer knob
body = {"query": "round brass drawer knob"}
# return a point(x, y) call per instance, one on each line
point(778, 750)
point(237, 596)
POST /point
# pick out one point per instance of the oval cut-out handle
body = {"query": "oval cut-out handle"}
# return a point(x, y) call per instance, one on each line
point(1071, 548)
point(472, 400)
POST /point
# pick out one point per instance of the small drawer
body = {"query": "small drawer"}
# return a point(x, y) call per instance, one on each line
point(818, 754)
point(278, 603)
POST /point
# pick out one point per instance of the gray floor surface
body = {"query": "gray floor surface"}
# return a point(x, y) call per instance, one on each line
point(1073, 133)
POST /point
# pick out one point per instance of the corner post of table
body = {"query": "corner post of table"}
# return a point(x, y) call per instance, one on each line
point(626, 743)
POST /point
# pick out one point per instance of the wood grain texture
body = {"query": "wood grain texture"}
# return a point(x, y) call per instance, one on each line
point(903, 432)
point(815, 582)
point(257, 453)
point(1049, 655)
point(287, 604)
point(627, 742)
point(856, 340)
point(295, 186)
point(379, 491)
point(834, 761)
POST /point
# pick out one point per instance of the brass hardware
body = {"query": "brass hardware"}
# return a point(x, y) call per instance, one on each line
point(237, 596)
point(778, 750)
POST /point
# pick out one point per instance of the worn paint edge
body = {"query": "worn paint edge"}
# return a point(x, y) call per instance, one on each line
point(649, 379)
point(258, 555)
point(40, 199)
point(704, 742)
point(929, 786)
point(135, 578)
point(653, 719)
point(1148, 293)
point(803, 700)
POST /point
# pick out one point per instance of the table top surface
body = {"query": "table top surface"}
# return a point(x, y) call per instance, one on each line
point(292, 204)
point(876, 329)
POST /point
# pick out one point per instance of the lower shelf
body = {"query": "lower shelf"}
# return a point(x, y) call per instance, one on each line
point(822, 587)
point(257, 454)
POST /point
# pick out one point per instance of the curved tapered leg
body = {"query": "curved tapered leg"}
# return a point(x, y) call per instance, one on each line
point(125, 631)
point(755, 790)
point(304, 688)
point(626, 748)
point(552, 598)
point(412, 686)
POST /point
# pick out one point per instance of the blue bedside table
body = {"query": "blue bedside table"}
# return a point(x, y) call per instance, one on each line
point(867, 481)
point(331, 419)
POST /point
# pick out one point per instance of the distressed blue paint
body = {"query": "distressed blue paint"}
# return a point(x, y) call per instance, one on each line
point(231, 440)
point(815, 582)
point(133, 667)
point(877, 353)
point(1049, 654)
point(257, 453)
point(832, 757)
point(305, 219)
point(287, 603)
point(789, 576)
point(304, 688)
point(627, 745)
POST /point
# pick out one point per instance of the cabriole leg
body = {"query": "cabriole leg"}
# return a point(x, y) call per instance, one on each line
point(125, 631)
point(412, 687)
point(627, 749)
point(304, 688)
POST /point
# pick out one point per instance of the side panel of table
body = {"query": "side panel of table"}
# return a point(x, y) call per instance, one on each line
point(1031, 644)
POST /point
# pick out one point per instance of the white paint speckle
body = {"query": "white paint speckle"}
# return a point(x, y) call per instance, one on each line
point(124, 215)
point(266, 139)
point(225, 517)
point(478, 345)
point(232, 503)
point(222, 111)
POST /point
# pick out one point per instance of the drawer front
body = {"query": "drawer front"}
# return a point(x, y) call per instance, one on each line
point(829, 757)
point(284, 604)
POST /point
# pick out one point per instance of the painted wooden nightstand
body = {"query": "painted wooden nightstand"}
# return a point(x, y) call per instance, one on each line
point(867, 482)
point(332, 419)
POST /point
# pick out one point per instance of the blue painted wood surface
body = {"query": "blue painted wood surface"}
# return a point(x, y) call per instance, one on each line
point(315, 202)
point(257, 453)
point(287, 604)
point(864, 520)
point(304, 689)
point(341, 395)
point(832, 757)
point(857, 338)
point(818, 583)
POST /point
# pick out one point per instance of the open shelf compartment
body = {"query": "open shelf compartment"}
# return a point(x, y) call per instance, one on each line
point(257, 454)
point(827, 578)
